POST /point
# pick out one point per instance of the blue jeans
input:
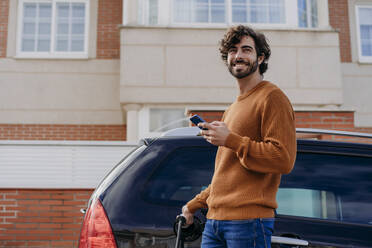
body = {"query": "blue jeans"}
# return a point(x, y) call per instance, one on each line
point(252, 233)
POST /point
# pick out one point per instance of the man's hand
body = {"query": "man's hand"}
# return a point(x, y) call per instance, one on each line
point(189, 216)
point(217, 132)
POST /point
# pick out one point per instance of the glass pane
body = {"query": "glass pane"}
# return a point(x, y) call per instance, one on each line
point(366, 39)
point(78, 10)
point(182, 11)
point(314, 14)
point(153, 11)
point(29, 28)
point(276, 11)
point(201, 11)
point(239, 11)
point(28, 45)
point(307, 203)
point(77, 28)
point(62, 45)
point(182, 175)
point(340, 187)
point(77, 45)
point(63, 28)
point(43, 45)
point(29, 10)
point(302, 13)
point(365, 16)
point(165, 119)
point(63, 9)
point(44, 28)
point(45, 10)
point(218, 12)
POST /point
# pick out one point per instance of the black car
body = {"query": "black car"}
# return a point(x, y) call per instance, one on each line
point(326, 201)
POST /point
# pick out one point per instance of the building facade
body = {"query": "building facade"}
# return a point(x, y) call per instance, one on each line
point(121, 70)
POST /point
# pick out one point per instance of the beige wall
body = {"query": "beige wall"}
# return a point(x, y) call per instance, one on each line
point(357, 77)
point(182, 65)
point(60, 91)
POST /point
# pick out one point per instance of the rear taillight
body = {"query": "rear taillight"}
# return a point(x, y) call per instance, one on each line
point(96, 230)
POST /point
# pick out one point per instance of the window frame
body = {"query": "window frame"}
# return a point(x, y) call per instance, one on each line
point(309, 14)
point(361, 57)
point(144, 119)
point(166, 9)
point(52, 53)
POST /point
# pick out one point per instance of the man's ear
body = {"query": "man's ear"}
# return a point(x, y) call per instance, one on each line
point(260, 59)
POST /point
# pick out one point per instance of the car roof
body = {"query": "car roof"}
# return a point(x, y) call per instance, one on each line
point(191, 133)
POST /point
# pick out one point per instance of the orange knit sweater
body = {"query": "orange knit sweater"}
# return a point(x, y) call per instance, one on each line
point(260, 147)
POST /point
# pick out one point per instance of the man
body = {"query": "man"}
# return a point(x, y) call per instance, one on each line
point(257, 144)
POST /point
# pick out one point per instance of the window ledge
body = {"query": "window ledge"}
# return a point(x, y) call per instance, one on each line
point(365, 61)
point(56, 57)
point(223, 27)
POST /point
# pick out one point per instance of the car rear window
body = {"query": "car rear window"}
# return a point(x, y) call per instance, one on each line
point(328, 186)
point(182, 175)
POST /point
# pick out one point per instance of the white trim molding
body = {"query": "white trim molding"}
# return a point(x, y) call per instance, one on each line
point(361, 58)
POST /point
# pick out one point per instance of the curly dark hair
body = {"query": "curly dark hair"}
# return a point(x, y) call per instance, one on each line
point(235, 34)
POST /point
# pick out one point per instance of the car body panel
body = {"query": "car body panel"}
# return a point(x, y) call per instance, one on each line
point(139, 220)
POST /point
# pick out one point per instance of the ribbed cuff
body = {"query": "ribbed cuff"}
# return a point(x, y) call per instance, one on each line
point(194, 205)
point(233, 141)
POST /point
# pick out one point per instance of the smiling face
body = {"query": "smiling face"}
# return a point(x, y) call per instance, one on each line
point(242, 59)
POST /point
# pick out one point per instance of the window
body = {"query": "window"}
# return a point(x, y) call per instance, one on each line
point(325, 186)
point(307, 203)
point(53, 28)
point(199, 11)
point(364, 28)
point(154, 120)
point(307, 13)
point(278, 13)
point(173, 183)
point(165, 119)
point(258, 11)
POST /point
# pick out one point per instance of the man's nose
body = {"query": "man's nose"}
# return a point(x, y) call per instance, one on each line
point(238, 54)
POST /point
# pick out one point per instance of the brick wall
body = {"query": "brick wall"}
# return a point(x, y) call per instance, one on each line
point(339, 19)
point(41, 218)
point(306, 119)
point(4, 10)
point(62, 132)
point(108, 33)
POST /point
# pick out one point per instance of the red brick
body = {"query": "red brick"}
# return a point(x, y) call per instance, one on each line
point(7, 214)
point(39, 208)
point(51, 202)
point(339, 19)
point(6, 226)
point(51, 214)
point(28, 202)
point(7, 202)
point(63, 220)
point(50, 226)
point(26, 226)
point(38, 244)
point(3, 237)
point(62, 244)
point(14, 244)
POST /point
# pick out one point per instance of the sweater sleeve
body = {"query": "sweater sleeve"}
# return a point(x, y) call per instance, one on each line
point(276, 151)
point(199, 201)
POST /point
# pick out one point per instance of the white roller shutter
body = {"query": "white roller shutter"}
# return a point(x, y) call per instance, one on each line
point(58, 164)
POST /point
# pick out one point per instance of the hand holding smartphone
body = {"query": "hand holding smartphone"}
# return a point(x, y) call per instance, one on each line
point(196, 119)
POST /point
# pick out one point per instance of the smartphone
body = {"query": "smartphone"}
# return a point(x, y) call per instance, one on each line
point(196, 119)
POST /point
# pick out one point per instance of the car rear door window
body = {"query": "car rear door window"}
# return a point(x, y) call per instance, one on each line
point(183, 174)
point(328, 186)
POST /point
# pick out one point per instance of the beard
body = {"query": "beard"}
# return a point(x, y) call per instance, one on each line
point(251, 68)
